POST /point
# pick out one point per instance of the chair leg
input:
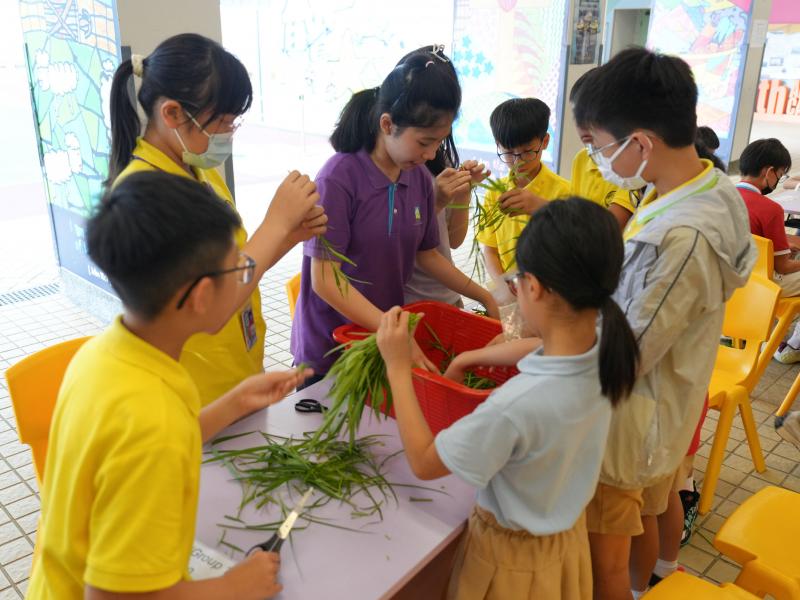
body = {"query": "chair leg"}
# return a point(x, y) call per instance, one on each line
point(791, 395)
point(746, 411)
point(727, 410)
point(774, 340)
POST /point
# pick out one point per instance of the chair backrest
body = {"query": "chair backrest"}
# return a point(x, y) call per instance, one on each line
point(293, 293)
point(765, 265)
point(749, 315)
point(33, 384)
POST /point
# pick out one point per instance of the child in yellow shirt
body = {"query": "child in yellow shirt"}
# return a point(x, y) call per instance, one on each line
point(121, 481)
point(519, 127)
point(586, 180)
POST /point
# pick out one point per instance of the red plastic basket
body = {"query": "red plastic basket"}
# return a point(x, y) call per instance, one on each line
point(442, 400)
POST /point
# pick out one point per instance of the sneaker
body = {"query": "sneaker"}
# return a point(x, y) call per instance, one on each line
point(788, 427)
point(786, 354)
point(689, 500)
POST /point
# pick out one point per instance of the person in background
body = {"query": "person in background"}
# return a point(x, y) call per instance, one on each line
point(519, 127)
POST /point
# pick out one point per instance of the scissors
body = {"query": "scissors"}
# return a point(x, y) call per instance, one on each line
point(274, 543)
point(308, 405)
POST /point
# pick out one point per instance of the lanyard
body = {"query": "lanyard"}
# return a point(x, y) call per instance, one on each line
point(647, 213)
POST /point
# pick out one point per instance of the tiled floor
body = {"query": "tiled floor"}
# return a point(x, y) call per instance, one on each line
point(28, 326)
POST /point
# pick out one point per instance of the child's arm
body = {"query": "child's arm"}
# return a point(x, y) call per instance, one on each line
point(497, 355)
point(394, 342)
point(353, 305)
point(439, 267)
point(255, 578)
point(254, 393)
point(785, 265)
point(292, 217)
point(493, 265)
point(458, 218)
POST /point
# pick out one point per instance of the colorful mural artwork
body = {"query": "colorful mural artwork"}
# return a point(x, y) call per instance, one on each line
point(505, 49)
point(72, 51)
point(711, 36)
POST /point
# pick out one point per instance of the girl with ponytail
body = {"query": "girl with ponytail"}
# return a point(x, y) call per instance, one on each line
point(534, 447)
point(193, 93)
point(379, 198)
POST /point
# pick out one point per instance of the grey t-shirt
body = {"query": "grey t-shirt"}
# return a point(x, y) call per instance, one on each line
point(422, 286)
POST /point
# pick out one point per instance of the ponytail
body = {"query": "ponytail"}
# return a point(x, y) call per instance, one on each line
point(419, 92)
point(188, 68)
point(619, 354)
point(573, 247)
point(357, 127)
point(125, 125)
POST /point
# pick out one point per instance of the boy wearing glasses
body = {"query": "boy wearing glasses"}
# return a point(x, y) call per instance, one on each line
point(687, 248)
point(519, 127)
point(121, 482)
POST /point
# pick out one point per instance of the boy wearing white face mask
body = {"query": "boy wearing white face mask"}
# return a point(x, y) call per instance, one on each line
point(687, 248)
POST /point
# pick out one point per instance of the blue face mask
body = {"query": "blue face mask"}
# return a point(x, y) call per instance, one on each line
point(220, 147)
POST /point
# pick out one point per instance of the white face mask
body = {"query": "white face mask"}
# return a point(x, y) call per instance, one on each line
point(604, 164)
point(220, 147)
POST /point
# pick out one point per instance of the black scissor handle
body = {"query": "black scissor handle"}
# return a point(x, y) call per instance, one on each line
point(273, 544)
point(308, 405)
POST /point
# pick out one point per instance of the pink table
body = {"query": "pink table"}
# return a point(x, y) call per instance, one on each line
point(324, 562)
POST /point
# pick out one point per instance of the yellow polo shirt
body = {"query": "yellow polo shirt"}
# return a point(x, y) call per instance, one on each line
point(504, 236)
point(216, 362)
point(587, 182)
point(122, 474)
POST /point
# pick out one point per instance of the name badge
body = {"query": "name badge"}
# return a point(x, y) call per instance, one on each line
point(249, 327)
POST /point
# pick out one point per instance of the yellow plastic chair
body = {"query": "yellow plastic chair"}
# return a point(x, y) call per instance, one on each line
point(33, 384)
point(682, 586)
point(748, 316)
point(788, 308)
point(293, 293)
point(763, 535)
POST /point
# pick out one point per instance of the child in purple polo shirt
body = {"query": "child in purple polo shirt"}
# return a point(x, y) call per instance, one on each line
point(379, 199)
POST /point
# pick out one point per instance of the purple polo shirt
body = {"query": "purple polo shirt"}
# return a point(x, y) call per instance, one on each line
point(379, 225)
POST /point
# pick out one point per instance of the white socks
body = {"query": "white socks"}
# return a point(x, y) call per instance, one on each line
point(665, 568)
point(794, 341)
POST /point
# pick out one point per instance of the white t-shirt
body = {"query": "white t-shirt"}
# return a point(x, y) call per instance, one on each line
point(534, 447)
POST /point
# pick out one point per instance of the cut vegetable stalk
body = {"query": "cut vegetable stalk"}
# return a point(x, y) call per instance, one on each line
point(336, 258)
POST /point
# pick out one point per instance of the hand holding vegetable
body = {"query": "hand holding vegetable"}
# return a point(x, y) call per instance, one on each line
point(294, 209)
point(395, 340)
point(452, 186)
point(520, 201)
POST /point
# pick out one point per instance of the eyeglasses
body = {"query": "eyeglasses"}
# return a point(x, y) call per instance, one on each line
point(511, 281)
point(232, 128)
point(594, 151)
point(246, 267)
point(526, 155)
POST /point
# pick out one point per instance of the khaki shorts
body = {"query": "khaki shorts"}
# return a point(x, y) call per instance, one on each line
point(495, 563)
point(615, 511)
point(656, 497)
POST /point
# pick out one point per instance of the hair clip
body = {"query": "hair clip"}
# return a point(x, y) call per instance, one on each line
point(438, 51)
point(428, 64)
